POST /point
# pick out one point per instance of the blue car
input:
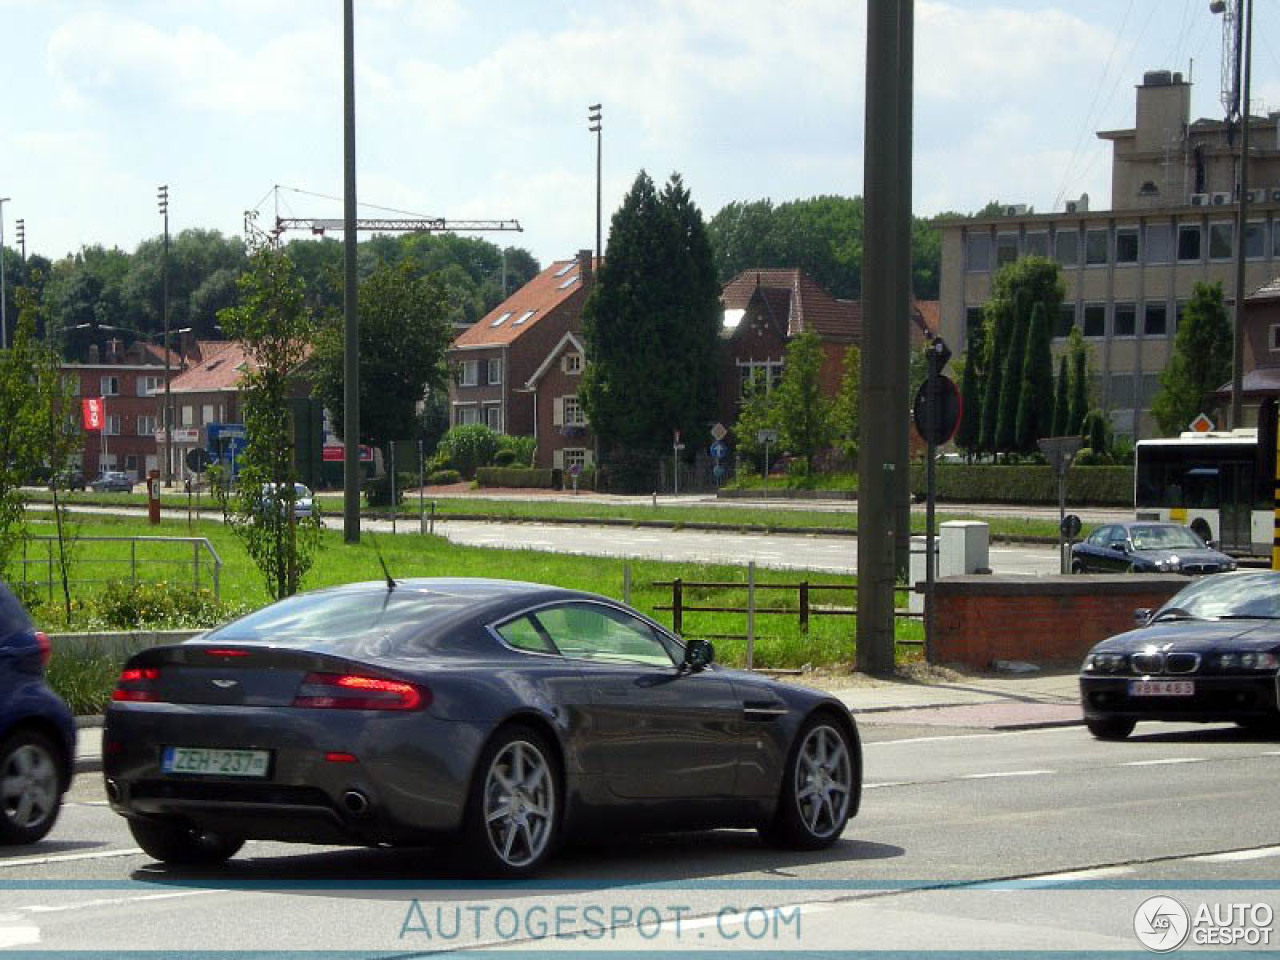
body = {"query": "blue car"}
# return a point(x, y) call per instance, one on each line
point(37, 732)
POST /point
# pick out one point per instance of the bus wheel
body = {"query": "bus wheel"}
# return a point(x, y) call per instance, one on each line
point(1200, 527)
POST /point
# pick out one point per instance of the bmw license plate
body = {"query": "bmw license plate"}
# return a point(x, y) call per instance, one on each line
point(207, 761)
point(1162, 688)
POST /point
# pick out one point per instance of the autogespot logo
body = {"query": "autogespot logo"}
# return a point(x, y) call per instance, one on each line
point(1161, 924)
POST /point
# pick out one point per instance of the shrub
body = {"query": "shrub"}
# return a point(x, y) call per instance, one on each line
point(469, 447)
point(503, 458)
point(126, 606)
point(85, 682)
point(995, 483)
point(515, 477)
point(521, 449)
point(442, 478)
point(377, 492)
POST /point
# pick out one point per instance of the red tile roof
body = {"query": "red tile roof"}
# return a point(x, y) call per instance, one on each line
point(808, 306)
point(217, 371)
point(541, 295)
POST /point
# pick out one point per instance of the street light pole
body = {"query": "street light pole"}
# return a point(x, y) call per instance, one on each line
point(351, 357)
point(22, 238)
point(596, 126)
point(4, 326)
point(1245, 31)
point(162, 196)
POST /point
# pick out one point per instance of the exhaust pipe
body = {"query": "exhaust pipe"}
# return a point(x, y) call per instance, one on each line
point(356, 803)
point(113, 791)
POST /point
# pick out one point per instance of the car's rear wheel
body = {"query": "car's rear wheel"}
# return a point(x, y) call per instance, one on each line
point(30, 791)
point(513, 813)
point(817, 788)
point(1077, 566)
point(177, 842)
point(1110, 728)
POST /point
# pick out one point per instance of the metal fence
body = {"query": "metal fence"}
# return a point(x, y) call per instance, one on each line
point(144, 554)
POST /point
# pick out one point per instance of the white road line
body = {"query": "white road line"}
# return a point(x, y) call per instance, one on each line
point(69, 857)
point(1270, 753)
point(1259, 853)
point(1163, 762)
point(113, 901)
point(962, 736)
point(888, 783)
point(1006, 773)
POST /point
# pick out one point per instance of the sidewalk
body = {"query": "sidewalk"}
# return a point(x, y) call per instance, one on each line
point(1016, 702)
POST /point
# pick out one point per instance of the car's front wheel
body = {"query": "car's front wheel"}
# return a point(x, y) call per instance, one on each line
point(817, 788)
point(1110, 728)
point(513, 813)
point(1077, 566)
point(177, 842)
point(30, 791)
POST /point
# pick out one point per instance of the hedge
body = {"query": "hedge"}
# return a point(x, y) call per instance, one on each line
point(516, 477)
point(986, 483)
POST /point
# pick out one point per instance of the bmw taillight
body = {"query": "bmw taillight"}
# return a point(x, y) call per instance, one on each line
point(341, 691)
point(136, 685)
point(46, 647)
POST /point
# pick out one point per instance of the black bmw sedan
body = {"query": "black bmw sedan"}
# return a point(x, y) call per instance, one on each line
point(1210, 654)
point(1147, 547)
point(500, 714)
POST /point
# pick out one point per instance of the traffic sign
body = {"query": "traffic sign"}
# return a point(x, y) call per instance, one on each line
point(718, 471)
point(1070, 526)
point(575, 469)
point(198, 459)
point(719, 431)
point(766, 436)
point(1201, 424)
point(942, 390)
point(719, 450)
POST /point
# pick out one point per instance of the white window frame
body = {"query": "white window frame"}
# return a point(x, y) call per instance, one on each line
point(1230, 226)
point(469, 373)
point(1275, 338)
point(188, 415)
point(465, 414)
point(1202, 245)
point(146, 425)
point(208, 413)
point(747, 370)
point(1136, 230)
point(110, 386)
point(1106, 253)
point(493, 417)
point(493, 371)
point(568, 412)
point(571, 363)
point(111, 425)
point(149, 385)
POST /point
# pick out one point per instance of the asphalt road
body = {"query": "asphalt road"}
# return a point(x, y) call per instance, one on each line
point(971, 840)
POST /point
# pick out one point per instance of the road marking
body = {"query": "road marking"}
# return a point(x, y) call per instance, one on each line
point(960, 736)
point(888, 783)
point(18, 936)
point(1159, 763)
point(1259, 853)
point(1057, 879)
point(1271, 753)
point(69, 857)
point(113, 901)
point(1006, 773)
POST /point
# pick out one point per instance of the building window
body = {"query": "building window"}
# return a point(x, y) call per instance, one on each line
point(977, 252)
point(1066, 320)
point(493, 418)
point(149, 386)
point(112, 425)
point(1221, 236)
point(1095, 320)
point(1037, 244)
point(146, 426)
point(206, 414)
point(1154, 320)
point(1126, 244)
point(1066, 247)
point(1159, 243)
point(571, 363)
point(468, 373)
point(1122, 390)
point(575, 457)
point(110, 386)
point(1255, 240)
point(1189, 242)
point(573, 414)
point(465, 415)
point(495, 370)
point(1125, 323)
point(1150, 387)
point(188, 416)
point(1006, 248)
point(1095, 247)
point(766, 372)
point(1275, 239)
point(1275, 338)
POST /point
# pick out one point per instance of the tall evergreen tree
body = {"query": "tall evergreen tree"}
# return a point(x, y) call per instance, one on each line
point(1011, 381)
point(969, 435)
point(1061, 400)
point(651, 325)
point(1201, 360)
point(845, 409)
point(1079, 405)
point(998, 319)
point(1035, 401)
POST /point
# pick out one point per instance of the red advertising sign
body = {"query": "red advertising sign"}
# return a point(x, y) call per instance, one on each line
point(93, 411)
point(335, 452)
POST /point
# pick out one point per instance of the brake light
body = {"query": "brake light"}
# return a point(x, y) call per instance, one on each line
point(220, 652)
point(351, 692)
point(134, 685)
point(46, 647)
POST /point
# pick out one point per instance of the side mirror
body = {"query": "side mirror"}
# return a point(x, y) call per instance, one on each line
point(1141, 616)
point(699, 654)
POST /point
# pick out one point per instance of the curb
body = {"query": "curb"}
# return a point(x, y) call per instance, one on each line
point(88, 765)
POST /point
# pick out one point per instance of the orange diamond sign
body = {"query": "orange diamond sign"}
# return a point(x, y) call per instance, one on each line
point(1202, 424)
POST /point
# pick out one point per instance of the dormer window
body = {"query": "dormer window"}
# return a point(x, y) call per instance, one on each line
point(571, 363)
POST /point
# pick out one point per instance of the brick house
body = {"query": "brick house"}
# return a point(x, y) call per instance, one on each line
point(494, 361)
point(1261, 349)
point(560, 425)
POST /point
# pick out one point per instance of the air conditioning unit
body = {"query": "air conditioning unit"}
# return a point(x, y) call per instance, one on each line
point(1015, 210)
point(1221, 198)
point(1275, 194)
point(1258, 196)
point(1199, 199)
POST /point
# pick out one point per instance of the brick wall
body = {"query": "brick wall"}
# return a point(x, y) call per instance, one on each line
point(1050, 620)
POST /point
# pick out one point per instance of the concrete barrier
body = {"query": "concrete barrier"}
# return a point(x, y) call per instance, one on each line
point(119, 645)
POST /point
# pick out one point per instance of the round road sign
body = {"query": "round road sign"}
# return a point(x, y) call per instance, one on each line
point(719, 450)
point(942, 391)
point(198, 459)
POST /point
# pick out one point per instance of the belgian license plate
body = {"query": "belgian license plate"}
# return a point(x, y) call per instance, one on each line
point(213, 762)
point(1162, 688)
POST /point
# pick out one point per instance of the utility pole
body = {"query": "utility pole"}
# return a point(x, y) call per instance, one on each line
point(903, 307)
point(162, 198)
point(4, 326)
point(351, 359)
point(1244, 31)
point(887, 164)
point(22, 238)
point(596, 126)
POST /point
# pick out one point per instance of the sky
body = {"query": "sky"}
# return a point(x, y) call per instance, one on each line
point(477, 109)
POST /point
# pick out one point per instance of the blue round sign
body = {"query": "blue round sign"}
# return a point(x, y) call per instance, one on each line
point(719, 450)
point(718, 472)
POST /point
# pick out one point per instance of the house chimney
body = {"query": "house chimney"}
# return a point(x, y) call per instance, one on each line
point(93, 353)
point(584, 268)
point(113, 351)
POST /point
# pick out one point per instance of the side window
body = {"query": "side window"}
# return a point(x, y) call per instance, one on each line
point(588, 631)
point(524, 633)
point(1100, 537)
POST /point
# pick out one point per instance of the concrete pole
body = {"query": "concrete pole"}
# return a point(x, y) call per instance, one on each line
point(1237, 336)
point(351, 360)
point(900, 332)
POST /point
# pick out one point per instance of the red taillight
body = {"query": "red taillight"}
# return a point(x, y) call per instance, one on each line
point(219, 652)
point(335, 756)
point(133, 685)
point(348, 692)
point(46, 648)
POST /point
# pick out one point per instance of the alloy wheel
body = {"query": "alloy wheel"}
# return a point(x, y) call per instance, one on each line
point(823, 781)
point(28, 786)
point(519, 803)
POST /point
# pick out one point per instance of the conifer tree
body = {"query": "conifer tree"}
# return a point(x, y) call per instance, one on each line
point(1035, 400)
point(1061, 400)
point(1079, 405)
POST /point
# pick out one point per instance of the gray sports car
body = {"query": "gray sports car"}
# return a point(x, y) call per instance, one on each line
point(503, 714)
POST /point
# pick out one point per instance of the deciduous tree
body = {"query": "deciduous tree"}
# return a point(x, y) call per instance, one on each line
point(802, 414)
point(1201, 360)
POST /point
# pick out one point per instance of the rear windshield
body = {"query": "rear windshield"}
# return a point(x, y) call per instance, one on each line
point(13, 619)
point(369, 623)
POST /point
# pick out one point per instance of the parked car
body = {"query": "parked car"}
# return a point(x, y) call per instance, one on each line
point(68, 480)
point(500, 713)
point(1147, 547)
point(303, 502)
point(1209, 654)
point(112, 480)
point(37, 733)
